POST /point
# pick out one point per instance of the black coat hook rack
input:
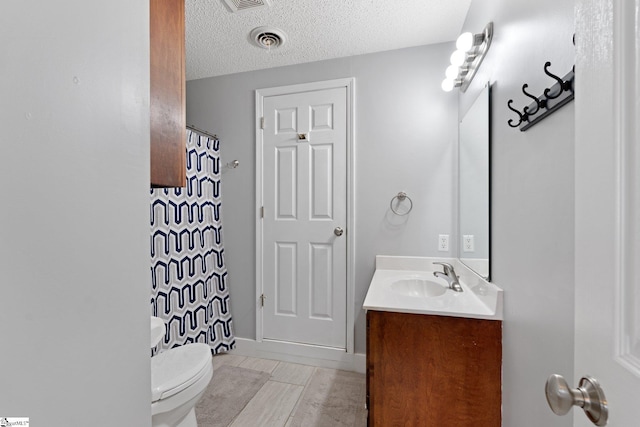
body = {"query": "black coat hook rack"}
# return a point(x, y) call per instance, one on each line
point(551, 100)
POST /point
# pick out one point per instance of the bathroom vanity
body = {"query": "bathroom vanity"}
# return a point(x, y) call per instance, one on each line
point(433, 358)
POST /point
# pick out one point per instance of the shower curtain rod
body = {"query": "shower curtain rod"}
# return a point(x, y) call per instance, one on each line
point(204, 132)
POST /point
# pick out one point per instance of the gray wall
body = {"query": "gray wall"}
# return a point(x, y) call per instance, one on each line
point(74, 223)
point(405, 141)
point(533, 200)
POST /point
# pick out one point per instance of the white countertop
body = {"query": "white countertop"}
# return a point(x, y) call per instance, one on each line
point(479, 300)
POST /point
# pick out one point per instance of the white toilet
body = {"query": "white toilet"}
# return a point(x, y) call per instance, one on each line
point(179, 377)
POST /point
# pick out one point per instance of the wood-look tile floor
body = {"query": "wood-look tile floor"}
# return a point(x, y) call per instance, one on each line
point(276, 403)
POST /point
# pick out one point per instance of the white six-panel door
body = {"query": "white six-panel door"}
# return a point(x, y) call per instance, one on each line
point(304, 254)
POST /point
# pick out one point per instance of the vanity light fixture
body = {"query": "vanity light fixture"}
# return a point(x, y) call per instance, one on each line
point(465, 61)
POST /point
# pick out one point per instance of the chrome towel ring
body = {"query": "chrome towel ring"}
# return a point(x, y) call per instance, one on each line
point(399, 198)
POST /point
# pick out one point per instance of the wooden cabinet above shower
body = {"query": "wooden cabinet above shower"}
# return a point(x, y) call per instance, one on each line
point(168, 108)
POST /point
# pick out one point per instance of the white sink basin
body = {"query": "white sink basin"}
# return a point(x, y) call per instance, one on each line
point(157, 330)
point(418, 287)
point(407, 285)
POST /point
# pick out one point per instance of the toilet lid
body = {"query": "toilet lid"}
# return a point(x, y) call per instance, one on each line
point(178, 368)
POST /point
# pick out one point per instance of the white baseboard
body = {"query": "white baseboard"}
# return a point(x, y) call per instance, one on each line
point(304, 354)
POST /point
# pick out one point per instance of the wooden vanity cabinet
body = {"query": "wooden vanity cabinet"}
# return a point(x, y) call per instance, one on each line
point(433, 371)
point(168, 93)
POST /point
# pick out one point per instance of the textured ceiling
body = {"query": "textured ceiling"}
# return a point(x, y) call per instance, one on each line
point(217, 41)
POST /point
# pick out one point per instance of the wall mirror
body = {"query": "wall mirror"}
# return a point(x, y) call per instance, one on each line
point(474, 246)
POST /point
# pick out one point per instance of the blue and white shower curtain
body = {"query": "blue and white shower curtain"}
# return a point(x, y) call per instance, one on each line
point(188, 273)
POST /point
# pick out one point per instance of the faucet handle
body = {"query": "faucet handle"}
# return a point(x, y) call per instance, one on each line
point(448, 268)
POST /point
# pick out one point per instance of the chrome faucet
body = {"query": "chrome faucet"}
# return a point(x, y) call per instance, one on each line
point(449, 275)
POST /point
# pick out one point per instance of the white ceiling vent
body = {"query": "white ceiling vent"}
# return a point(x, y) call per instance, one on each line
point(268, 37)
point(244, 5)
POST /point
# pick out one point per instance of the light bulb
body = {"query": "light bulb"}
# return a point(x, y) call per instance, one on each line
point(465, 42)
point(447, 85)
point(268, 42)
point(458, 57)
point(451, 72)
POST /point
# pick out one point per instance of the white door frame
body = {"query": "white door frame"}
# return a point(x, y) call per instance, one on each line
point(349, 83)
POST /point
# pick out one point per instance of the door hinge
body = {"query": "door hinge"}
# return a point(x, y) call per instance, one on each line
point(262, 212)
point(262, 298)
point(261, 122)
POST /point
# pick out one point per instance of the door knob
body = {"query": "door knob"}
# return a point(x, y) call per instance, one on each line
point(338, 231)
point(589, 396)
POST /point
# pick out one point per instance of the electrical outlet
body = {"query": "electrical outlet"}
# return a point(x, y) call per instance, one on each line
point(443, 242)
point(468, 244)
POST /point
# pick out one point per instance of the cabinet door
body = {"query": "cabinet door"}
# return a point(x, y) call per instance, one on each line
point(433, 371)
point(168, 110)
